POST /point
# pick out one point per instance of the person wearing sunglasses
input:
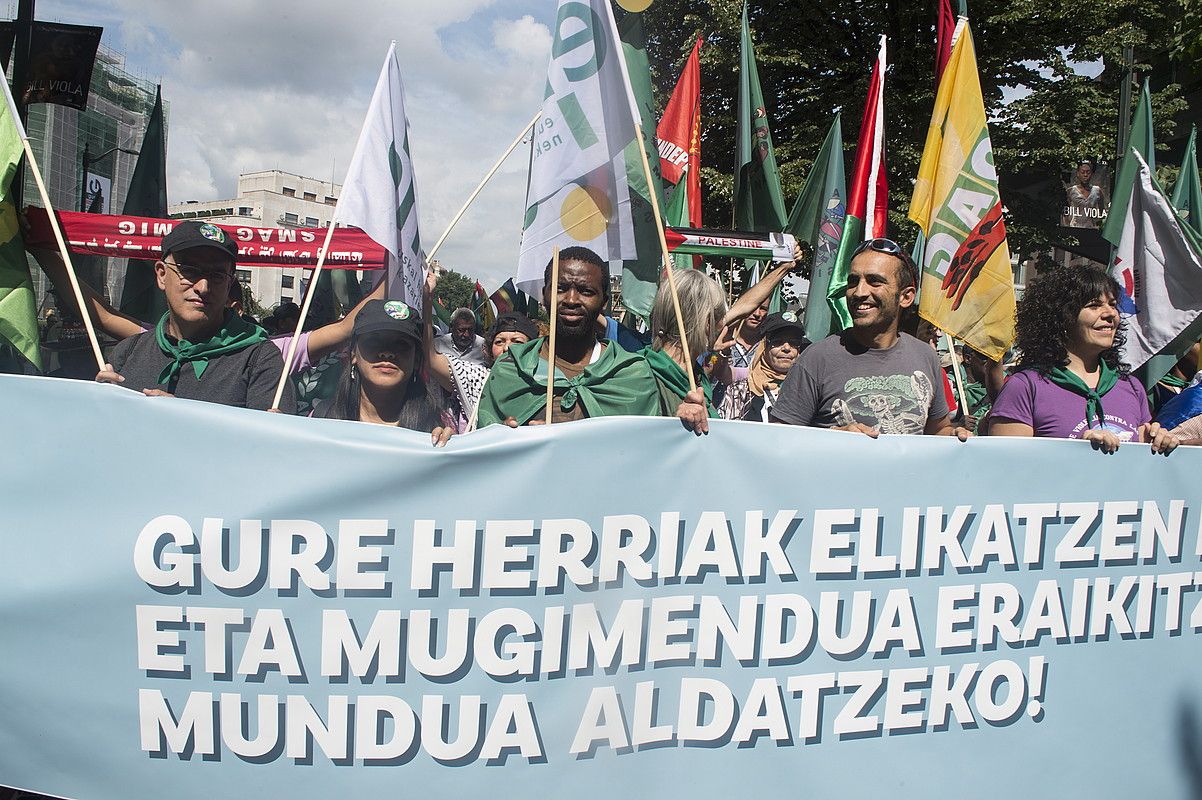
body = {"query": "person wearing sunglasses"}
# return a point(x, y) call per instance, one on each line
point(200, 349)
point(870, 378)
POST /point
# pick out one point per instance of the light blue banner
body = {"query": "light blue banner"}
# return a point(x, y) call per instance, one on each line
point(206, 602)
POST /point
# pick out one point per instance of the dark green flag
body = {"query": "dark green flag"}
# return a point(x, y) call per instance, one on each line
point(817, 218)
point(147, 197)
point(640, 276)
point(1187, 193)
point(759, 202)
point(1144, 142)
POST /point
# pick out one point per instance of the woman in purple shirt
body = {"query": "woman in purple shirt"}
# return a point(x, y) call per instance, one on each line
point(1071, 383)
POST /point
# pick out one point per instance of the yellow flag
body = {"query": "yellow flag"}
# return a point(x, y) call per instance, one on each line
point(967, 285)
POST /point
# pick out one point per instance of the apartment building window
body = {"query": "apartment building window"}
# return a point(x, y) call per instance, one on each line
point(245, 211)
point(286, 282)
point(330, 201)
point(289, 192)
point(243, 275)
point(310, 222)
point(311, 197)
point(291, 219)
point(285, 299)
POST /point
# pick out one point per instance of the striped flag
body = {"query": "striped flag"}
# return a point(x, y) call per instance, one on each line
point(868, 196)
point(380, 194)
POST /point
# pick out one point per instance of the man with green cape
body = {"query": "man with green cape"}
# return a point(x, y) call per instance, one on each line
point(200, 349)
point(592, 378)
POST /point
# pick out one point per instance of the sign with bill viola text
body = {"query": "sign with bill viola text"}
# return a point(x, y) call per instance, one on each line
point(227, 603)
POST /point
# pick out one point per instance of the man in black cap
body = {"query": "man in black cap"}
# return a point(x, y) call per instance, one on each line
point(200, 350)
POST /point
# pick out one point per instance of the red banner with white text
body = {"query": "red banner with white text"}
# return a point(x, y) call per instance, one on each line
point(139, 237)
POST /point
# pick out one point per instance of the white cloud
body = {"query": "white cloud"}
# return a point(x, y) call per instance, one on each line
point(255, 86)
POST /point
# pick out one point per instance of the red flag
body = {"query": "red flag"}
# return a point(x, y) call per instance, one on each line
point(868, 196)
point(945, 31)
point(679, 134)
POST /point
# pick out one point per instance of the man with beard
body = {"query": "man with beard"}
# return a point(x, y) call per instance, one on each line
point(593, 378)
point(870, 378)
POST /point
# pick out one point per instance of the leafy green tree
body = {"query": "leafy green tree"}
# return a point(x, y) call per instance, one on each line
point(455, 290)
point(1050, 77)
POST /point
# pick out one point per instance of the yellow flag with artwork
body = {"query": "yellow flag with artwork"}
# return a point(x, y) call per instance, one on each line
point(967, 286)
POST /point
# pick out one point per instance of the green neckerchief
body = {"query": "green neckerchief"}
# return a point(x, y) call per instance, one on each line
point(669, 373)
point(617, 383)
point(1107, 378)
point(235, 334)
point(1173, 382)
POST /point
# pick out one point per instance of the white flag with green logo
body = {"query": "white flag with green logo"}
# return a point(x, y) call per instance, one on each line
point(379, 194)
point(578, 194)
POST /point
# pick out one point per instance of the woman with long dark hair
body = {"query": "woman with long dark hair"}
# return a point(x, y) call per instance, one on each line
point(383, 383)
point(1072, 383)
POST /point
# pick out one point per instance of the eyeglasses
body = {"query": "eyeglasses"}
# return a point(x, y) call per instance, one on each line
point(189, 275)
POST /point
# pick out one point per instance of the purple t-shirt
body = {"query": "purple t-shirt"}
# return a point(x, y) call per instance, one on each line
point(1032, 399)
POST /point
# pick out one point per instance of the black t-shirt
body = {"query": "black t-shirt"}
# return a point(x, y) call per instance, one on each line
point(246, 379)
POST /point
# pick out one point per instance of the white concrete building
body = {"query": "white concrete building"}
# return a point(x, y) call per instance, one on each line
point(269, 199)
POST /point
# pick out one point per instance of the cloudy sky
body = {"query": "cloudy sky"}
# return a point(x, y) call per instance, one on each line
point(275, 85)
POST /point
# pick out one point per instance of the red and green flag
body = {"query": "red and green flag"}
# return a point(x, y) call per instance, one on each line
point(482, 307)
point(868, 195)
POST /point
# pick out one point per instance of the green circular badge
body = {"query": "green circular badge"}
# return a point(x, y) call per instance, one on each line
point(789, 316)
point(396, 309)
point(212, 232)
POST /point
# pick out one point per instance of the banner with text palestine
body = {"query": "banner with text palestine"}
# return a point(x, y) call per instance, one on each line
point(172, 626)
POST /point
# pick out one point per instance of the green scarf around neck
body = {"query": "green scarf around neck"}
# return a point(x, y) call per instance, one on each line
point(671, 375)
point(235, 334)
point(1107, 378)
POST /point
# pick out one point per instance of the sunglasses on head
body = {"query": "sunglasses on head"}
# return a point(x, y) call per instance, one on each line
point(879, 245)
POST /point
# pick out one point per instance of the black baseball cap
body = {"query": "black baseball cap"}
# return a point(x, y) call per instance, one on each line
point(190, 234)
point(787, 320)
point(389, 315)
point(514, 321)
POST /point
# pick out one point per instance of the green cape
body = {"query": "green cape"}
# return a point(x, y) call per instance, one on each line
point(672, 378)
point(617, 383)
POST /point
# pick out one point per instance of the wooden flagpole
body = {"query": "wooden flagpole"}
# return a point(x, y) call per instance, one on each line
point(551, 333)
point(960, 395)
point(310, 292)
point(659, 218)
point(472, 197)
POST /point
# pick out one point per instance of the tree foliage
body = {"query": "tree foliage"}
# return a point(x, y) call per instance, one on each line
point(455, 290)
point(1049, 74)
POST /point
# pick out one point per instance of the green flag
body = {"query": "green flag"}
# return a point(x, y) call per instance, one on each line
point(147, 197)
point(759, 203)
point(817, 218)
point(18, 311)
point(1187, 193)
point(676, 215)
point(640, 275)
point(1144, 143)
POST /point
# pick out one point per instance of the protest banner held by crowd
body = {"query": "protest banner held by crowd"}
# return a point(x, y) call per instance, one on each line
point(830, 512)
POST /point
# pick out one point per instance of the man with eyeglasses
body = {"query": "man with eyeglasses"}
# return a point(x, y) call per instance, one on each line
point(200, 350)
point(870, 378)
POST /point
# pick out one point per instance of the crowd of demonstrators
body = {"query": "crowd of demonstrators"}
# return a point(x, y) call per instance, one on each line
point(1071, 382)
point(463, 376)
point(870, 378)
point(873, 378)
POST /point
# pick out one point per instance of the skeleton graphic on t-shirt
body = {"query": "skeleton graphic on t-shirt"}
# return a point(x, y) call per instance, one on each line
point(891, 403)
